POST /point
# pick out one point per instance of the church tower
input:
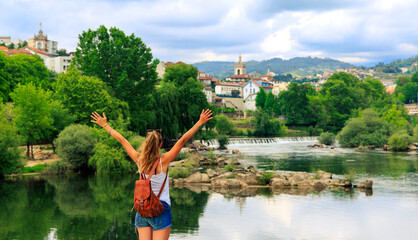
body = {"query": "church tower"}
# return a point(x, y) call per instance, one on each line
point(240, 67)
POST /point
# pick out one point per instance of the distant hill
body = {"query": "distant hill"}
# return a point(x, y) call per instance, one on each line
point(299, 66)
point(396, 65)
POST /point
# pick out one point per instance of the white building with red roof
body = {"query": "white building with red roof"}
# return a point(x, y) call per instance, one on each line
point(250, 90)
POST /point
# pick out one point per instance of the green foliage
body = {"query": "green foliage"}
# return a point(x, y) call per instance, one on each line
point(270, 104)
point(75, 145)
point(181, 155)
point(56, 168)
point(350, 175)
point(223, 125)
point(83, 95)
point(229, 168)
point(190, 98)
point(365, 130)
point(208, 135)
point(223, 140)
point(266, 127)
point(294, 104)
point(416, 133)
point(396, 117)
point(327, 138)
point(33, 169)
point(260, 99)
point(400, 141)
point(107, 159)
point(9, 153)
point(22, 69)
point(126, 65)
point(181, 172)
point(265, 178)
point(32, 107)
point(211, 155)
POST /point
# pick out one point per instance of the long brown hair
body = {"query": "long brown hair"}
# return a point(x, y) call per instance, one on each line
point(150, 151)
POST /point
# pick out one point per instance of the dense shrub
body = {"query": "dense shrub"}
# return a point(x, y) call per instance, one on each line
point(416, 133)
point(181, 155)
point(265, 178)
point(266, 127)
point(9, 154)
point(211, 155)
point(58, 167)
point(107, 159)
point(224, 125)
point(75, 145)
point(400, 142)
point(365, 130)
point(223, 140)
point(181, 172)
point(327, 138)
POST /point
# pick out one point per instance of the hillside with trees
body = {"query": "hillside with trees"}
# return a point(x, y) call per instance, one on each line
point(295, 66)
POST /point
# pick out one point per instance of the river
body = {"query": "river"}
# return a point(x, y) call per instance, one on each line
point(98, 207)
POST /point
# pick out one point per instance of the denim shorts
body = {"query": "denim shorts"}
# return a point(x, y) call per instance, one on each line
point(164, 220)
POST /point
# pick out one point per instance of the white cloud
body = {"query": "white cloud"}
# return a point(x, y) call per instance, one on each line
point(197, 30)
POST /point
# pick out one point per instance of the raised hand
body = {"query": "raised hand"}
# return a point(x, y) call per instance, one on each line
point(205, 116)
point(101, 121)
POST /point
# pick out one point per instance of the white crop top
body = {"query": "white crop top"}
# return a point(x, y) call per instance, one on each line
point(156, 183)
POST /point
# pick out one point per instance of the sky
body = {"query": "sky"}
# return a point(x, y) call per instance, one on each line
point(361, 32)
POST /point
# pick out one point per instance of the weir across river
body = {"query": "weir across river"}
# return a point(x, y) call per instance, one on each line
point(214, 142)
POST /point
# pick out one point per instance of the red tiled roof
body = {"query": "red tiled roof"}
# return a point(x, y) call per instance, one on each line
point(240, 76)
point(3, 48)
point(17, 51)
point(36, 50)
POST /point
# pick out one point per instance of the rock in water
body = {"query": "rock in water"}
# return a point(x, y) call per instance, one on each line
point(368, 184)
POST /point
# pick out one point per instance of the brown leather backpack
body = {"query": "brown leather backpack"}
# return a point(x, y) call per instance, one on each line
point(145, 201)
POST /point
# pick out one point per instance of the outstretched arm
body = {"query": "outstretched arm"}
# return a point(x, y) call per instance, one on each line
point(204, 117)
point(102, 122)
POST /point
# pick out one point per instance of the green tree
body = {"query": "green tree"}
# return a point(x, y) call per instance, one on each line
point(410, 91)
point(62, 52)
point(400, 141)
point(12, 46)
point(191, 99)
point(270, 103)
point(223, 125)
point(260, 99)
point(266, 127)
point(402, 80)
point(414, 77)
point(124, 63)
point(327, 138)
point(294, 104)
point(396, 117)
point(32, 106)
point(368, 129)
point(83, 95)
point(9, 153)
point(23, 69)
point(4, 77)
point(75, 145)
point(223, 140)
point(168, 109)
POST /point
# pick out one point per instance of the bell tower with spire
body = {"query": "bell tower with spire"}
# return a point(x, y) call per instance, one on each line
point(240, 67)
point(42, 42)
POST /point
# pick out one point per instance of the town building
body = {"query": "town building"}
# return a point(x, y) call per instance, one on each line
point(250, 90)
point(42, 42)
point(279, 87)
point(225, 89)
point(5, 40)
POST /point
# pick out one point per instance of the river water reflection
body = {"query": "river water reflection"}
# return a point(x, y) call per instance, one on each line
point(98, 207)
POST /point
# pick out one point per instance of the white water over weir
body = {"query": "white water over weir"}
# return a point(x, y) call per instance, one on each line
point(214, 142)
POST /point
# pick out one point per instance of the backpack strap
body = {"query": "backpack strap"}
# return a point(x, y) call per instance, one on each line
point(162, 187)
point(142, 175)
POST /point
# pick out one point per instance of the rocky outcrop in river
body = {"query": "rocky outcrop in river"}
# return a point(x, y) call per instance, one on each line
point(221, 173)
